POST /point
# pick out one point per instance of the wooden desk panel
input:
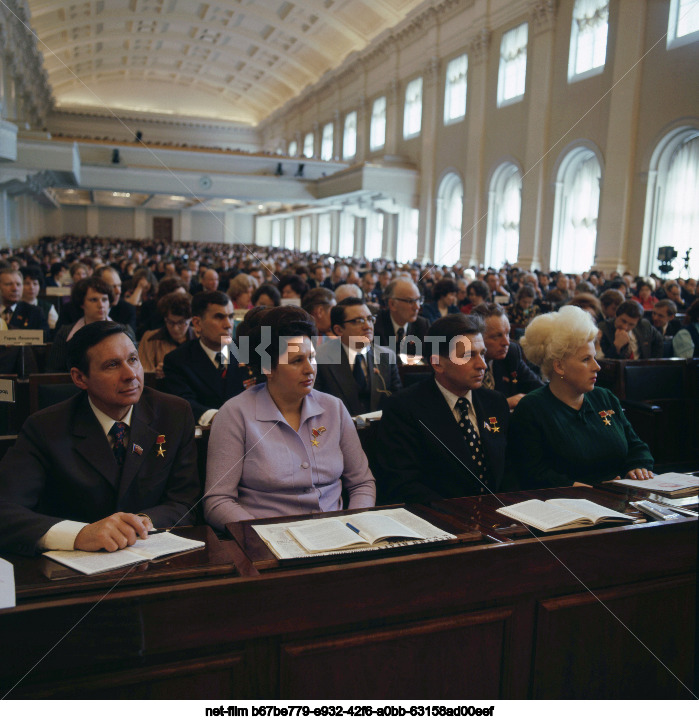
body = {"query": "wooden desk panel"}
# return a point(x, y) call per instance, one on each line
point(506, 620)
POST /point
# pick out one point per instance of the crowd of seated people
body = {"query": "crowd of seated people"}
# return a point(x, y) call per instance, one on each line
point(489, 415)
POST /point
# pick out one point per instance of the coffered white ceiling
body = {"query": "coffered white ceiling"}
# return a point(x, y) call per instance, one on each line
point(234, 60)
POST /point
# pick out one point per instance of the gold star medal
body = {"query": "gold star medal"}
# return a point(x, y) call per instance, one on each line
point(605, 415)
point(315, 433)
point(160, 440)
point(494, 427)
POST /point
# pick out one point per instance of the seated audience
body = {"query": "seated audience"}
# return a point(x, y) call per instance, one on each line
point(348, 290)
point(58, 483)
point(673, 292)
point(318, 303)
point(610, 300)
point(350, 367)
point(685, 344)
point(93, 296)
point(142, 287)
point(121, 311)
point(17, 314)
point(282, 448)
point(644, 294)
point(524, 308)
point(176, 308)
point(664, 321)
point(399, 326)
point(630, 336)
point(293, 287)
point(32, 286)
point(197, 370)
point(444, 301)
point(148, 316)
point(476, 293)
point(507, 372)
point(570, 430)
point(444, 437)
point(240, 291)
point(266, 295)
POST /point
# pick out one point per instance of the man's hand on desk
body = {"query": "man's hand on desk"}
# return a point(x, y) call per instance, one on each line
point(112, 533)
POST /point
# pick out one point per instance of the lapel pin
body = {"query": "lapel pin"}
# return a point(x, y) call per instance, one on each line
point(137, 449)
point(493, 427)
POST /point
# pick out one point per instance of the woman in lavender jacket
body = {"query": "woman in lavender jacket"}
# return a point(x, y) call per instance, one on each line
point(281, 448)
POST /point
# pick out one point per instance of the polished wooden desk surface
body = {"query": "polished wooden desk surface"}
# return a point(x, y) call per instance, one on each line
point(498, 618)
point(42, 578)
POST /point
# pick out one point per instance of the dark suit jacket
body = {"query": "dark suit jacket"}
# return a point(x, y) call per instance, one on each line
point(62, 467)
point(69, 314)
point(335, 376)
point(383, 330)
point(650, 342)
point(512, 375)
point(430, 311)
point(190, 374)
point(28, 317)
point(123, 312)
point(421, 454)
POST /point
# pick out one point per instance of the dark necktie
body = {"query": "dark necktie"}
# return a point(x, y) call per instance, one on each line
point(118, 433)
point(488, 379)
point(222, 367)
point(472, 438)
point(400, 334)
point(7, 315)
point(359, 373)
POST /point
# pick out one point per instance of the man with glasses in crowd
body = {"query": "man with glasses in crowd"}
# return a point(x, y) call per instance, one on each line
point(399, 326)
point(350, 367)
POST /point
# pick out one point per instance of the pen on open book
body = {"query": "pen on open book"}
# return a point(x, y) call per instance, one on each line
point(352, 528)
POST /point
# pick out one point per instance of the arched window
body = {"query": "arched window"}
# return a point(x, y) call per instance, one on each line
point(326, 146)
point(377, 135)
point(450, 211)
point(455, 89)
point(277, 233)
point(504, 206)
point(588, 38)
point(349, 140)
point(672, 208)
point(293, 148)
point(575, 211)
point(346, 246)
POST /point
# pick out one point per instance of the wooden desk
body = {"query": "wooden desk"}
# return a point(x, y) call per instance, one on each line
point(502, 619)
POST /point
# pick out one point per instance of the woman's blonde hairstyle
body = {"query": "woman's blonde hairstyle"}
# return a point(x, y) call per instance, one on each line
point(553, 336)
point(241, 283)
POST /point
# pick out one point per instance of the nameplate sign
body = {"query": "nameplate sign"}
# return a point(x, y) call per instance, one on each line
point(7, 585)
point(7, 390)
point(59, 290)
point(21, 337)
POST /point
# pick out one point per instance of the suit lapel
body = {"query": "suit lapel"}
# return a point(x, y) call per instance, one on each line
point(342, 374)
point(91, 443)
point(141, 433)
point(488, 437)
point(205, 369)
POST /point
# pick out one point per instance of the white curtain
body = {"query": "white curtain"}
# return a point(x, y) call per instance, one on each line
point(513, 63)
point(679, 220)
point(580, 233)
point(412, 119)
point(378, 124)
point(455, 91)
point(326, 148)
point(588, 37)
point(324, 230)
point(349, 143)
point(449, 221)
point(687, 17)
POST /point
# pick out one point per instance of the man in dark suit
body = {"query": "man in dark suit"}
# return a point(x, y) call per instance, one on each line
point(630, 335)
point(399, 327)
point(664, 321)
point(350, 367)
point(507, 372)
point(197, 370)
point(15, 312)
point(120, 311)
point(444, 437)
point(102, 469)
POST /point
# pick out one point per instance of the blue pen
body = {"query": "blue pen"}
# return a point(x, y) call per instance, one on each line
point(351, 527)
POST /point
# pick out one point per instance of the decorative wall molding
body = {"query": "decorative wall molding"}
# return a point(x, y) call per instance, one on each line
point(478, 46)
point(542, 15)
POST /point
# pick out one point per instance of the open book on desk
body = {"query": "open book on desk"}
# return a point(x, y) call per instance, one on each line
point(674, 485)
point(156, 546)
point(562, 514)
point(375, 530)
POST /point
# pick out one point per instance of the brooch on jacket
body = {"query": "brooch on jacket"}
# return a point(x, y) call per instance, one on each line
point(605, 416)
point(160, 440)
point(315, 432)
point(512, 378)
point(492, 425)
